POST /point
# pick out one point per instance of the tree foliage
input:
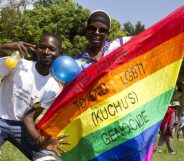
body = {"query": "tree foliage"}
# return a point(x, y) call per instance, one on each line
point(131, 30)
point(63, 17)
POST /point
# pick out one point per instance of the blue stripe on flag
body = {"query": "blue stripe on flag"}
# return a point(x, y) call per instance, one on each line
point(134, 149)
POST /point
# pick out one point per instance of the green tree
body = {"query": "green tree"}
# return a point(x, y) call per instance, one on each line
point(67, 22)
point(131, 30)
point(8, 19)
point(115, 30)
point(179, 91)
point(47, 3)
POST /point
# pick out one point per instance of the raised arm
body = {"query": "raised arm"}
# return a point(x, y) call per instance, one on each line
point(21, 46)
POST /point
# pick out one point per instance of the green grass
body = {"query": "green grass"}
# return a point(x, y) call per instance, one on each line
point(165, 156)
point(10, 153)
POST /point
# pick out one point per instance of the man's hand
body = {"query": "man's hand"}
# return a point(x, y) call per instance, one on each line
point(53, 144)
point(21, 46)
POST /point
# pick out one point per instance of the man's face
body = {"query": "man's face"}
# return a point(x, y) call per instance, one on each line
point(97, 33)
point(48, 50)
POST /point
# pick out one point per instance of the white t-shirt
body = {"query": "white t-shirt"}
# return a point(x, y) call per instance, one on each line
point(22, 87)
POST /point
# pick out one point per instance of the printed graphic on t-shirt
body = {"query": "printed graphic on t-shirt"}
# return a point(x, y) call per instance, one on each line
point(22, 95)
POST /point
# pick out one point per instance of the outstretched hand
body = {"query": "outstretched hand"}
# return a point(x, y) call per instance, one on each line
point(54, 144)
point(21, 46)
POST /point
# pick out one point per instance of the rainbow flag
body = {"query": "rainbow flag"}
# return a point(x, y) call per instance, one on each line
point(113, 110)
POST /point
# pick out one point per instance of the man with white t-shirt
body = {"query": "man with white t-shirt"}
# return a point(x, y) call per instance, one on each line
point(25, 91)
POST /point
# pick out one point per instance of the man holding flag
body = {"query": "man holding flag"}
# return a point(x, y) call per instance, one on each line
point(114, 108)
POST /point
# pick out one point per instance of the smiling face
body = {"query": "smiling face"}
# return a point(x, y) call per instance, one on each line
point(97, 33)
point(48, 50)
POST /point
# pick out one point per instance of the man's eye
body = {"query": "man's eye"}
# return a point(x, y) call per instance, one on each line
point(49, 47)
point(53, 49)
point(41, 47)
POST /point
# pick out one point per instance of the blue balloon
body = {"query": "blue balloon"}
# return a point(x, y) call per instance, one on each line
point(65, 69)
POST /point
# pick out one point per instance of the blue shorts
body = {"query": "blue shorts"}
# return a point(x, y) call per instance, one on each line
point(16, 133)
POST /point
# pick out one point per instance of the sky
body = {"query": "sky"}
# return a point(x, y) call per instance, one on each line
point(147, 11)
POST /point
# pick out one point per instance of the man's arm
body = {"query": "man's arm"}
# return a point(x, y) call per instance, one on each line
point(21, 46)
point(47, 143)
point(29, 121)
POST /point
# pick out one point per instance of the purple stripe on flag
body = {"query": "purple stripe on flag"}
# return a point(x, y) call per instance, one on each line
point(149, 153)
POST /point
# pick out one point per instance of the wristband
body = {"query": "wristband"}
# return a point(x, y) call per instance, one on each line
point(39, 139)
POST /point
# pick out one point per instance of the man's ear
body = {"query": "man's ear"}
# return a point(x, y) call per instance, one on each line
point(108, 33)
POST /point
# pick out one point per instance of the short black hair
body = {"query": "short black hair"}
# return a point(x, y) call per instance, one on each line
point(54, 36)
